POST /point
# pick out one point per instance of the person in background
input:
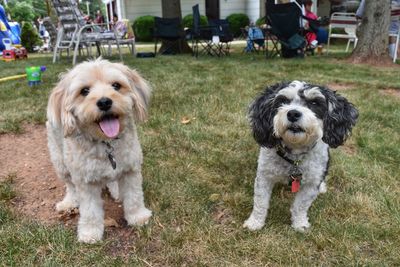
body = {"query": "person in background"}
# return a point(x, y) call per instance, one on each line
point(119, 26)
point(316, 34)
point(99, 17)
point(254, 35)
point(394, 23)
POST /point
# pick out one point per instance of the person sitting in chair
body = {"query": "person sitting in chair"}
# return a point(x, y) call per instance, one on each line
point(254, 36)
point(119, 26)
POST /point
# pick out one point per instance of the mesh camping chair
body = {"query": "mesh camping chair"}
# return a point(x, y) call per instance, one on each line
point(74, 33)
point(170, 32)
point(221, 35)
point(202, 36)
point(284, 21)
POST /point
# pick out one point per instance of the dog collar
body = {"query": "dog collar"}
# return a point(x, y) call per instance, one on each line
point(295, 173)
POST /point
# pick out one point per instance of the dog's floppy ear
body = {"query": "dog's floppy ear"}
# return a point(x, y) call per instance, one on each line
point(140, 92)
point(339, 120)
point(261, 115)
point(59, 112)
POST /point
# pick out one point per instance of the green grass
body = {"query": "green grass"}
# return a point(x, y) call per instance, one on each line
point(199, 176)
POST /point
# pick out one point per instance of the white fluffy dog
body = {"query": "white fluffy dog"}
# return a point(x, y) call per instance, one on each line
point(92, 138)
point(295, 124)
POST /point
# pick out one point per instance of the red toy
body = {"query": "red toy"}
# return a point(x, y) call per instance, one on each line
point(8, 55)
point(21, 53)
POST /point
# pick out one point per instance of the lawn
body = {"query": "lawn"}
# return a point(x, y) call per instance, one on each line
point(199, 176)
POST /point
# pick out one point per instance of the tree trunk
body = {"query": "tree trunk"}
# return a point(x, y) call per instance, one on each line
point(172, 9)
point(373, 34)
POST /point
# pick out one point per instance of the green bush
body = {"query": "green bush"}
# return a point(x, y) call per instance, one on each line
point(260, 21)
point(188, 21)
point(29, 37)
point(143, 28)
point(237, 21)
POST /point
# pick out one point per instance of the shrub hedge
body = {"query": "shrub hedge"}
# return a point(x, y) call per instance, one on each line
point(29, 37)
point(143, 28)
point(237, 21)
point(187, 21)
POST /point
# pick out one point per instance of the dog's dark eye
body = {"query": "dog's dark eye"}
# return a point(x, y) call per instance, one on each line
point(315, 101)
point(85, 91)
point(116, 86)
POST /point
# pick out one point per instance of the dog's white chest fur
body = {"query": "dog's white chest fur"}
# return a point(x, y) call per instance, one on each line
point(89, 160)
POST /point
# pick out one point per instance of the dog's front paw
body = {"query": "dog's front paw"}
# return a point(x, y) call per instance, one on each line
point(301, 225)
point(89, 233)
point(139, 218)
point(66, 204)
point(253, 224)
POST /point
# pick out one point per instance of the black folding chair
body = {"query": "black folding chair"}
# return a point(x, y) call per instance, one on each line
point(284, 21)
point(220, 30)
point(169, 31)
point(202, 36)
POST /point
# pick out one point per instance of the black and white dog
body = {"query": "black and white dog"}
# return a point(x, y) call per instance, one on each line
point(295, 124)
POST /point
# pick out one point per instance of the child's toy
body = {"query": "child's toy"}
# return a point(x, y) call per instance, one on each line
point(13, 52)
point(8, 55)
point(12, 77)
point(20, 52)
point(34, 74)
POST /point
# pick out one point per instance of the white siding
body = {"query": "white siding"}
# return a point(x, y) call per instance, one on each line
point(138, 8)
point(228, 7)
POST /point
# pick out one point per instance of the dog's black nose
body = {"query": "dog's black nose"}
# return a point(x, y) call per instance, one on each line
point(293, 115)
point(104, 103)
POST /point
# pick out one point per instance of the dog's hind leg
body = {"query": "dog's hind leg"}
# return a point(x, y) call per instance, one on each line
point(262, 194)
point(302, 202)
point(131, 193)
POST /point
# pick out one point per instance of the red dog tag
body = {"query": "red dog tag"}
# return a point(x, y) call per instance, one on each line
point(295, 185)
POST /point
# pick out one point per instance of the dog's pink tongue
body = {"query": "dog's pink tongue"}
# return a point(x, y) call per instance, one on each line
point(110, 127)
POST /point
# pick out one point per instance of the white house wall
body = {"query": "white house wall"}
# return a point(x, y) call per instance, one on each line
point(138, 8)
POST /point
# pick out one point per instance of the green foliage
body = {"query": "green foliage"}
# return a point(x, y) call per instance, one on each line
point(29, 37)
point(187, 21)
point(6, 191)
point(260, 21)
point(143, 28)
point(22, 11)
point(237, 21)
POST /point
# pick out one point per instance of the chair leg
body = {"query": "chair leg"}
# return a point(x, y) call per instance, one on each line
point(396, 47)
point(76, 51)
point(348, 45)
point(55, 53)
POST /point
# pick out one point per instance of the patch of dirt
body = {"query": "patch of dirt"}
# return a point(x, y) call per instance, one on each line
point(390, 92)
point(38, 189)
point(340, 86)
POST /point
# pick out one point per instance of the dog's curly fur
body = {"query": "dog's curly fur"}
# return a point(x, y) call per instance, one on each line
point(303, 121)
point(91, 95)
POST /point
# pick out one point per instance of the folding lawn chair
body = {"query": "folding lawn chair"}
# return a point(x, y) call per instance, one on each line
point(284, 22)
point(170, 32)
point(202, 37)
point(347, 22)
point(74, 33)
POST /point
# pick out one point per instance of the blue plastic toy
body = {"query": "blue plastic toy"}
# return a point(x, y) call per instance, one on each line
point(10, 30)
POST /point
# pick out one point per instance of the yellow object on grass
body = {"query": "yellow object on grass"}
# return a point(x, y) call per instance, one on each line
point(12, 77)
